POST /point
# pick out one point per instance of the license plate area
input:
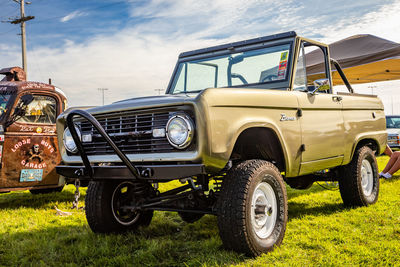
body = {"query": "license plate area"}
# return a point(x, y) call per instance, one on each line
point(31, 175)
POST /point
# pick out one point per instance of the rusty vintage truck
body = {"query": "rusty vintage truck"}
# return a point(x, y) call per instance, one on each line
point(28, 142)
point(237, 121)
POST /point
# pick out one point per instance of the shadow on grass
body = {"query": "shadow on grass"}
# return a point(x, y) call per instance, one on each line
point(391, 180)
point(166, 242)
point(298, 210)
point(16, 200)
point(293, 193)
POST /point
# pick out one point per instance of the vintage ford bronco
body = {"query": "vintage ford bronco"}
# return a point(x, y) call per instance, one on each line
point(28, 141)
point(237, 121)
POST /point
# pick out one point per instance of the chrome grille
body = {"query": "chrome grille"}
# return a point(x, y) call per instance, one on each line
point(132, 133)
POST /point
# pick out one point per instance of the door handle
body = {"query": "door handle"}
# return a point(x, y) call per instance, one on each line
point(337, 98)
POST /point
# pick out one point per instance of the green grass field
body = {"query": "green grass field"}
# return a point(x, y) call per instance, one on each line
point(320, 231)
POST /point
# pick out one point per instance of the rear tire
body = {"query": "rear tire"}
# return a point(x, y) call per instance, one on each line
point(359, 181)
point(46, 190)
point(252, 208)
point(103, 207)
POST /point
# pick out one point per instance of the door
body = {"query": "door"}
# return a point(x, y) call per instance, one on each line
point(30, 152)
point(321, 121)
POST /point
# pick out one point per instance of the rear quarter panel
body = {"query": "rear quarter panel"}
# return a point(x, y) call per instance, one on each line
point(364, 118)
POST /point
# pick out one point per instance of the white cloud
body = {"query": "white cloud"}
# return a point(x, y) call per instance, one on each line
point(384, 22)
point(73, 15)
point(139, 59)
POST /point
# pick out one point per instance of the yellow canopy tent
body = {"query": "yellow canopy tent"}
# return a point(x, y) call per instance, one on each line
point(364, 59)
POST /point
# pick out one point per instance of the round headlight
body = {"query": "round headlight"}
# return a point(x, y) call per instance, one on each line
point(180, 131)
point(69, 141)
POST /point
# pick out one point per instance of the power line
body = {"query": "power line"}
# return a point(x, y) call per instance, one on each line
point(59, 17)
point(35, 60)
point(6, 15)
point(3, 33)
point(86, 9)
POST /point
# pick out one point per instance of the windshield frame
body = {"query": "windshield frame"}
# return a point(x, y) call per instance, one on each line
point(391, 117)
point(238, 48)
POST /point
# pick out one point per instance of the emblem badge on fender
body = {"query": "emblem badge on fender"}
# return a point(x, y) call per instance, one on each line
point(286, 118)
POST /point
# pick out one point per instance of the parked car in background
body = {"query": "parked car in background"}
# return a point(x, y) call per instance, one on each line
point(393, 129)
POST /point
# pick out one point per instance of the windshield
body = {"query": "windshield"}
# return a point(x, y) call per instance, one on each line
point(264, 65)
point(392, 122)
point(4, 99)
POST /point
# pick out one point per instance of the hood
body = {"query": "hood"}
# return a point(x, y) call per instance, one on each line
point(144, 102)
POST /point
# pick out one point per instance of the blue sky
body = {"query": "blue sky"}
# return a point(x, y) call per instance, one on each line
point(131, 46)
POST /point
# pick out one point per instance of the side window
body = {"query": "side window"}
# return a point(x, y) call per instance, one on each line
point(300, 79)
point(311, 67)
point(43, 109)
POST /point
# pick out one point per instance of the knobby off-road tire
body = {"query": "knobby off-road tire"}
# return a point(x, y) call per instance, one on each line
point(190, 217)
point(252, 208)
point(359, 181)
point(102, 206)
point(46, 190)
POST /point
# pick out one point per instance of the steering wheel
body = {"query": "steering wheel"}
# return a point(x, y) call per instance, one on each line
point(269, 78)
point(240, 77)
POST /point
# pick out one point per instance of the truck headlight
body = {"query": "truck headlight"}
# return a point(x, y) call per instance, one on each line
point(69, 143)
point(180, 131)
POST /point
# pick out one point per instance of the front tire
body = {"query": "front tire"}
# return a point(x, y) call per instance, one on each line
point(252, 208)
point(104, 212)
point(359, 181)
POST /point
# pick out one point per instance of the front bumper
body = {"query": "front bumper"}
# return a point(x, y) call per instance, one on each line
point(150, 172)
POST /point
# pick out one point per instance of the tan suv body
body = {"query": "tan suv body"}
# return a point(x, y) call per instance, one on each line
point(236, 121)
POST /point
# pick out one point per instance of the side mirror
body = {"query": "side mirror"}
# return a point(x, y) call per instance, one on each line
point(26, 99)
point(20, 109)
point(321, 85)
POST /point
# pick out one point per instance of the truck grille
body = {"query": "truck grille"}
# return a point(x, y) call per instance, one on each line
point(131, 132)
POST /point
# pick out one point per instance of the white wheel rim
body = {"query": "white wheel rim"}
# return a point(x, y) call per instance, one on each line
point(367, 177)
point(263, 210)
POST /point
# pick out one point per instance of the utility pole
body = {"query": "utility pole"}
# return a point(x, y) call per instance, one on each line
point(159, 91)
point(372, 87)
point(21, 20)
point(102, 90)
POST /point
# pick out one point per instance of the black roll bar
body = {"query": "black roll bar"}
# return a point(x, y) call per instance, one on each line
point(341, 73)
point(88, 168)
